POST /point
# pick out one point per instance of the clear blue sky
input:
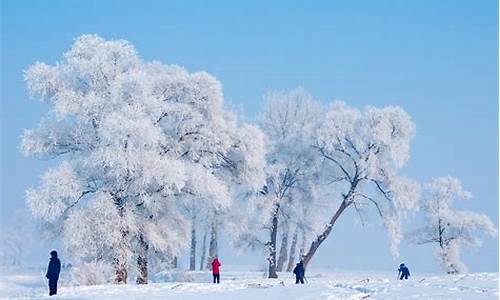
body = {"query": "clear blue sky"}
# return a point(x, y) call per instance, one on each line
point(436, 59)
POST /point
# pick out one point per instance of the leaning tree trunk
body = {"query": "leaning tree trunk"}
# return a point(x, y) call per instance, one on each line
point(321, 238)
point(192, 257)
point(203, 251)
point(142, 261)
point(283, 250)
point(213, 247)
point(291, 258)
point(271, 245)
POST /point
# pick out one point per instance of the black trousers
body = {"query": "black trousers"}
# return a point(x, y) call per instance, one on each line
point(405, 276)
point(216, 278)
point(52, 287)
point(299, 279)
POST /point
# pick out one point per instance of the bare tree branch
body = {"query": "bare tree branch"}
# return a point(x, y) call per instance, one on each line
point(323, 153)
point(379, 187)
point(359, 214)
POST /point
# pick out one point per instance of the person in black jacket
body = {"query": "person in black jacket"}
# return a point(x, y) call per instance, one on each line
point(53, 272)
point(299, 272)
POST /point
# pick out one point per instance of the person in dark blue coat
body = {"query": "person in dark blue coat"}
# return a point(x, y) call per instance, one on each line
point(299, 272)
point(53, 272)
point(404, 271)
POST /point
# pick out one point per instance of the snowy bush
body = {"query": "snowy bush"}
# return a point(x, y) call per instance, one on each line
point(92, 273)
point(174, 275)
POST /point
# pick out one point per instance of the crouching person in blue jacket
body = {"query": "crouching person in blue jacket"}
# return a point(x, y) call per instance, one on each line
point(404, 271)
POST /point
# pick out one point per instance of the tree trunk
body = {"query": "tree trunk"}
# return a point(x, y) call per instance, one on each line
point(291, 258)
point(303, 240)
point(120, 271)
point(447, 262)
point(213, 245)
point(283, 250)
point(272, 245)
point(321, 238)
point(170, 258)
point(142, 261)
point(440, 233)
point(120, 261)
point(192, 257)
point(203, 251)
point(175, 262)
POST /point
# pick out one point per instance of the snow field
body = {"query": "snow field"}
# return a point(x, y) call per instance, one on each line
point(325, 285)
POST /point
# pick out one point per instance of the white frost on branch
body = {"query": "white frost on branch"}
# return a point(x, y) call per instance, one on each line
point(61, 188)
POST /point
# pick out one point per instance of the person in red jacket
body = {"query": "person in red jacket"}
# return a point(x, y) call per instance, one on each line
point(215, 270)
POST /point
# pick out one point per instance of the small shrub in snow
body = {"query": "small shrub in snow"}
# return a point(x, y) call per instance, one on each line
point(173, 276)
point(93, 273)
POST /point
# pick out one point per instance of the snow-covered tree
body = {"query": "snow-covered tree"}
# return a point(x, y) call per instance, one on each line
point(305, 221)
point(246, 175)
point(448, 229)
point(136, 141)
point(362, 152)
point(203, 216)
point(289, 120)
point(15, 238)
point(12, 246)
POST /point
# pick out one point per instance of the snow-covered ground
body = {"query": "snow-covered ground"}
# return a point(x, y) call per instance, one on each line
point(241, 285)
